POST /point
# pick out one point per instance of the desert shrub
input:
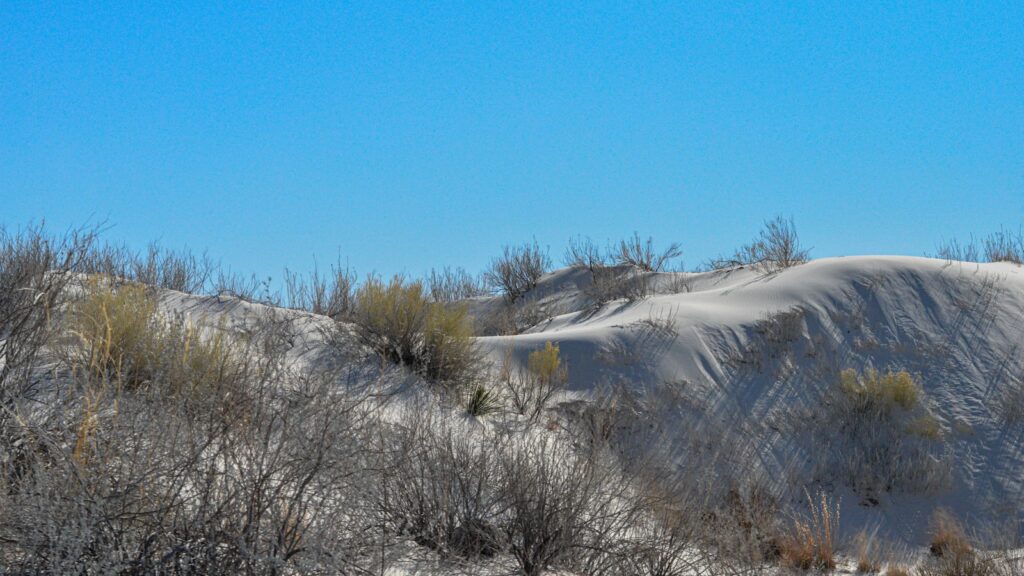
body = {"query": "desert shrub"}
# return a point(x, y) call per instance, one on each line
point(642, 254)
point(194, 483)
point(517, 270)
point(452, 285)
point(584, 253)
point(530, 390)
point(173, 270)
point(449, 354)
point(392, 317)
point(965, 562)
point(617, 282)
point(1002, 246)
point(776, 248)
point(159, 267)
point(745, 524)
point(879, 392)
point(441, 487)
point(963, 252)
point(947, 536)
point(952, 553)
point(564, 507)
point(116, 332)
point(882, 437)
point(329, 295)
point(811, 541)
point(34, 272)
point(405, 327)
point(925, 426)
point(119, 340)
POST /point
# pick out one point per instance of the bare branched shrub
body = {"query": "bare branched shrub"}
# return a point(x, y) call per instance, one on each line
point(642, 254)
point(250, 481)
point(531, 390)
point(776, 248)
point(1004, 246)
point(435, 339)
point(564, 507)
point(617, 282)
point(441, 487)
point(249, 288)
point(329, 295)
point(35, 269)
point(159, 267)
point(517, 270)
point(811, 542)
point(954, 250)
point(584, 253)
point(1001, 246)
point(452, 285)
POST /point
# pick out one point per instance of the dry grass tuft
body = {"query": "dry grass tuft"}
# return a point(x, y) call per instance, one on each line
point(948, 537)
point(811, 541)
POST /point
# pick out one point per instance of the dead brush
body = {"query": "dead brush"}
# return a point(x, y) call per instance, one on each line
point(810, 543)
point(948, 537)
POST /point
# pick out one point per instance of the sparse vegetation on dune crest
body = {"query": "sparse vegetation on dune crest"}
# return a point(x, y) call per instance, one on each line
point(1001, 246)
point(517, 270)
point(145, 430)
point(776, 248)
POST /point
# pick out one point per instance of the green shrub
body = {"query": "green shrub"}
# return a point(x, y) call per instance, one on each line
point(402, 324)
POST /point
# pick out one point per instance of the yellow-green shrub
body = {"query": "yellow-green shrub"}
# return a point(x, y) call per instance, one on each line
point(925, 426)
point(114, 332)
point(546, 365)
point(392, 317)
point(119, 337)
point(880, 390)
point(400, 322)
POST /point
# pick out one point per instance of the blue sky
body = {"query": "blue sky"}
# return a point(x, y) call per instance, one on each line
point(402, 137)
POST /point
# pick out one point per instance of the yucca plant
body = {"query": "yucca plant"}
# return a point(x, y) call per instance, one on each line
point(482, 402)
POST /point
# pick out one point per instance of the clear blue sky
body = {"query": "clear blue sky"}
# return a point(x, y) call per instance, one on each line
point(403, 137)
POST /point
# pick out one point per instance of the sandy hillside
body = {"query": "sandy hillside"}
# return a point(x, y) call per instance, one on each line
point(758, 355)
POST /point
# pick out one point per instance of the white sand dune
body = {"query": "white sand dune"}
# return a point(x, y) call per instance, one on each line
point(957, 327)
point(753, 357)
